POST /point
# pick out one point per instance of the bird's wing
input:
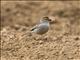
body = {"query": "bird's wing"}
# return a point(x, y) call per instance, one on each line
point(34, 27)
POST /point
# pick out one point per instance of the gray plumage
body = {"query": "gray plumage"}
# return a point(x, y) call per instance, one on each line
point(42, 27)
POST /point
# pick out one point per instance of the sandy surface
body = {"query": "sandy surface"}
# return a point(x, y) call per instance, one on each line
point(61, 42)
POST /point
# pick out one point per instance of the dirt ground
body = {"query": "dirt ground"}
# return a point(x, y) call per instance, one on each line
point(61, 42)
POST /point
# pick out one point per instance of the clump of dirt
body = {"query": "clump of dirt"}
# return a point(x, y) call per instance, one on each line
point(61, 42)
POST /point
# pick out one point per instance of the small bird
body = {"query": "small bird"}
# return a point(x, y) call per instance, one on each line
point(42, 27)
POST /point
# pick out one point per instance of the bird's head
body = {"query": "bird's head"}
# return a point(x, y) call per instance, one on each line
point(45, 19)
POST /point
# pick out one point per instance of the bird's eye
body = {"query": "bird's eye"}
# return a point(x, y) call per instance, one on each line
point(49, 19)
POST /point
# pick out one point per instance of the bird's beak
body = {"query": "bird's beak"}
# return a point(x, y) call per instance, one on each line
point(52, 21)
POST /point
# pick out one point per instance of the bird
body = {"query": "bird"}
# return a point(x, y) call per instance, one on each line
point(42, 27)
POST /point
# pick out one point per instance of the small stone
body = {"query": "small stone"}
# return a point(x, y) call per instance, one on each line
point(77, 38)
